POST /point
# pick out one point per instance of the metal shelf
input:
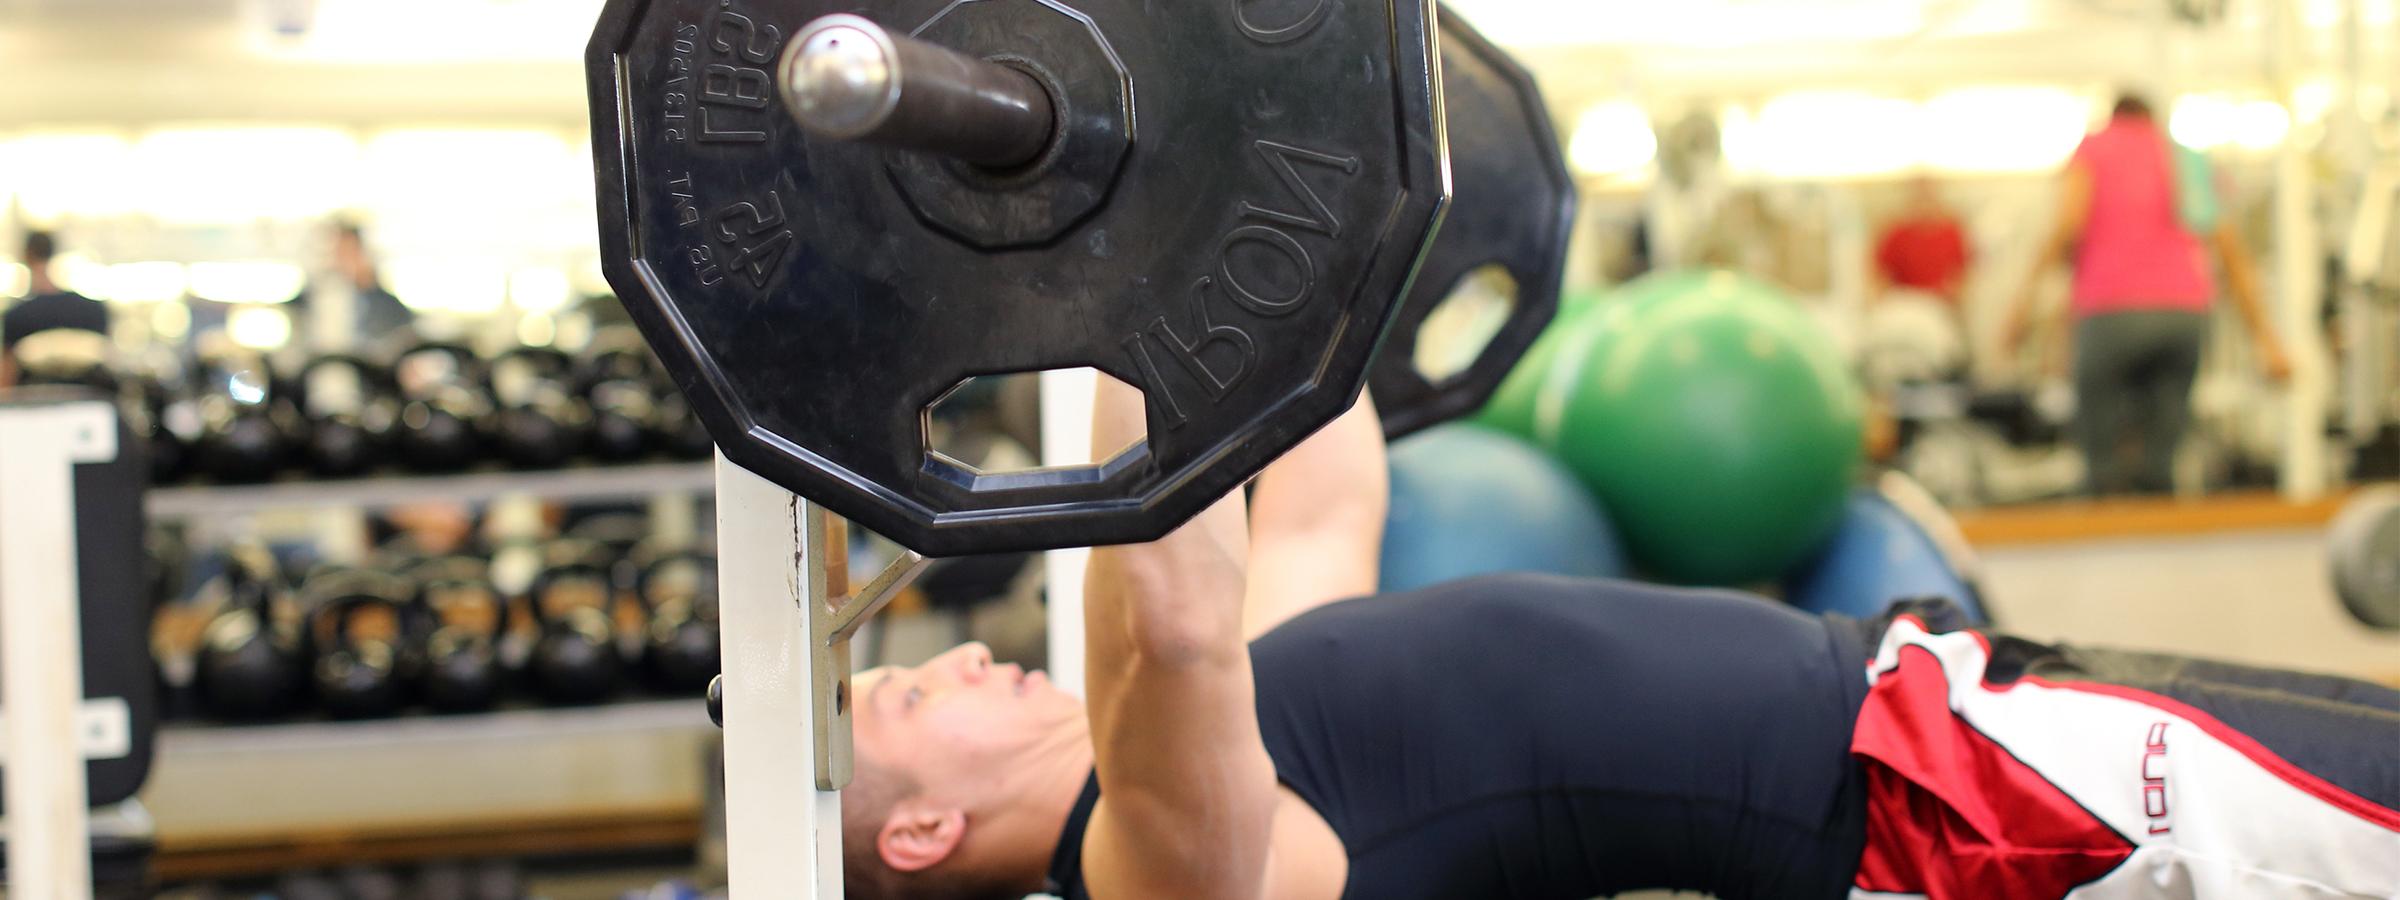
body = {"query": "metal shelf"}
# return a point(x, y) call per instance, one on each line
point(426, 730)
point(595, 483)
point(255, 797)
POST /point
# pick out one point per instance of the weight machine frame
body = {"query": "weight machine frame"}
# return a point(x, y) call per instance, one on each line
point(41, 642)
point(787, 614)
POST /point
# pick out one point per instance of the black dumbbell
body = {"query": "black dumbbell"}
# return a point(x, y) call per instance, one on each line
point(575, 658)
point(359, 676)
point(247, 428)
point(351, 411)
point(462, 671)
point(539, 419)
point(622, 388)
point(251, 662)
point(677, 590)
point(443, 401)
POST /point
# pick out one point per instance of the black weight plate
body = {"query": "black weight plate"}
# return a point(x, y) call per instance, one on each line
point(1284, 175)
point(1512, 206)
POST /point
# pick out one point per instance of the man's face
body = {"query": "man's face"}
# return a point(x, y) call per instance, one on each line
point(955, 722)
point(349, 257)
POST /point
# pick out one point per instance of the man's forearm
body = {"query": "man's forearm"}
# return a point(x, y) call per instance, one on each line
point(1143, 594)
point(1189, 793)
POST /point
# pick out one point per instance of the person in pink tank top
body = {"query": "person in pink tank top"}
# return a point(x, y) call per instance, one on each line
point(2143, 288)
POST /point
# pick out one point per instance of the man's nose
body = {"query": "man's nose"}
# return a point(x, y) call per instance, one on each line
point(974, 662)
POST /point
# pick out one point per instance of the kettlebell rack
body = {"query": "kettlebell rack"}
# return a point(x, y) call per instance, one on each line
point(405, 788)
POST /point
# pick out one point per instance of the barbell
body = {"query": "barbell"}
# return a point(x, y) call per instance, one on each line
point(825, 219)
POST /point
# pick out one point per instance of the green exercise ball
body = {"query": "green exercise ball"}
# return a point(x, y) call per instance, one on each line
point(1713, 418)
point(1511, 408)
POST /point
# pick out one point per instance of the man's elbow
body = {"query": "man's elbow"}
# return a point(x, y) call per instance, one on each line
point(1175, 614)
point(1187, 639)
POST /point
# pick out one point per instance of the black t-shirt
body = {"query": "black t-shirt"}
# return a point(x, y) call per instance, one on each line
point(378, 313)
point(50, 312)
point(1530, 737)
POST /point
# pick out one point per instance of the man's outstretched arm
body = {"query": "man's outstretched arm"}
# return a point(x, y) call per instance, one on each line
point(1316, 521)
point(1188, 795)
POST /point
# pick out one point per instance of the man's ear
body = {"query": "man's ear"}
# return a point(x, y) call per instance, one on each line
point(917, 838)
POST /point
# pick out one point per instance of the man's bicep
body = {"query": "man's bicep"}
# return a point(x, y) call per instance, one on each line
point(1188, 794)
point(1292, 574)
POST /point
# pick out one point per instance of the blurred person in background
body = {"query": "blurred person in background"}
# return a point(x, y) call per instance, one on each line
point(46, 307)
point(1914, 328)
point(345, 306)
point(1924, 249)
point(2137, 219)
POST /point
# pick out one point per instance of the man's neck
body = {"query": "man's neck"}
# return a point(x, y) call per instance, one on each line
point(41, 283)
point(1054, 783)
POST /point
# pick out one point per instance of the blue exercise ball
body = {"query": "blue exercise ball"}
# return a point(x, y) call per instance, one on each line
point(1887, 550)
point(1468, 500)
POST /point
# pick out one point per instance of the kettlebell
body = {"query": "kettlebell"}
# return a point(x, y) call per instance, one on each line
point(165, 421)
point(168, 560)
point(358, 676)
point(442, 401)
point(538, 420)
point(618, 382)
point(619, 358)
point(67, 357)
point(308, 886)
point(677, 591)
point(351, 412)
point(251, 663)
point(462, 671)
point(247, 428)
point(575, 658)
point(679, 428)
point(622, 537)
